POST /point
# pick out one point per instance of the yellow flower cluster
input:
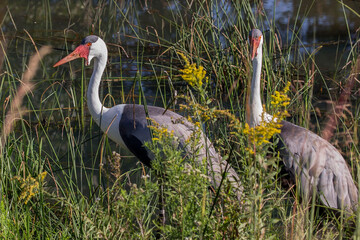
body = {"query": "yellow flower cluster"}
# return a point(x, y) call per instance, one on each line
point(201, 112)
point(262, 133)
point(280, 99)
point(195, 135)
point(30, 186)
point(192, 74)
point(159, 133)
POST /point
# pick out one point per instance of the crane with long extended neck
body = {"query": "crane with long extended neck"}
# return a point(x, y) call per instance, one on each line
point(127, 124)
point(309, 158)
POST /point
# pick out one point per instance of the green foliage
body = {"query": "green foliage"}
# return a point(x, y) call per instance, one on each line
point(191, 210)
point(6, 224)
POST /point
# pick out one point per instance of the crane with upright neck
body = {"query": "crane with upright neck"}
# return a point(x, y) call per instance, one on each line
point(309, 158)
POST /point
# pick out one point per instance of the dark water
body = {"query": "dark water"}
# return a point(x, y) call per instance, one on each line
point(318, 22)
point(63, 24)
point(51, 21)
point(48, 22)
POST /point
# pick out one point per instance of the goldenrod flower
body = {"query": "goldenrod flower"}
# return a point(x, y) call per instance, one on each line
point(192, 74)
point(159, 132)
point(201, 112)
point(280, 99)
point(262, 133)
point(30, 186)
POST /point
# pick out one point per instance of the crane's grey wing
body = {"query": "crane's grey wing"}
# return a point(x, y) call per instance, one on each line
point(316, 163)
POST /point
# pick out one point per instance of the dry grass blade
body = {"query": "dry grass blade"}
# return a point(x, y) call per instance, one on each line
point(25, 87)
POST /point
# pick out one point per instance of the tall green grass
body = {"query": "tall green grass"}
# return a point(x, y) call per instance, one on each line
point(91, 192)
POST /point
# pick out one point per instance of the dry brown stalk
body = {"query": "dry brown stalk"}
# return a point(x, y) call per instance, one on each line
point(2, 49)
point(16, 110)
point(339, 108)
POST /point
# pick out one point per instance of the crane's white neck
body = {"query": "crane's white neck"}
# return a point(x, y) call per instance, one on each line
point(254, 106)
point(98, 51)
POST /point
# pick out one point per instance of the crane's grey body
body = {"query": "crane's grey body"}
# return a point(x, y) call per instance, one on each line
point(311, 160)
point(316, 163)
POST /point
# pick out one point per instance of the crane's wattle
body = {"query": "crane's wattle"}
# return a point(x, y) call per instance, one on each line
point(254, 44)
point(81, 51)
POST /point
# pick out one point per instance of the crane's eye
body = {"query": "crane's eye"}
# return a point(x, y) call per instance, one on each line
point(88, 44)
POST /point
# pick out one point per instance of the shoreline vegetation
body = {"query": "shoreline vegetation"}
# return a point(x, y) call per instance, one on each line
point(61, 178)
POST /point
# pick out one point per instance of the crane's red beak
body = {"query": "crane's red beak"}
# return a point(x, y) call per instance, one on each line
point(81, 51)
point(254, 44)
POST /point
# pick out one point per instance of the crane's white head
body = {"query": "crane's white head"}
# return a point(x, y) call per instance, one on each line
point(256, 41)
point(90, 47)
